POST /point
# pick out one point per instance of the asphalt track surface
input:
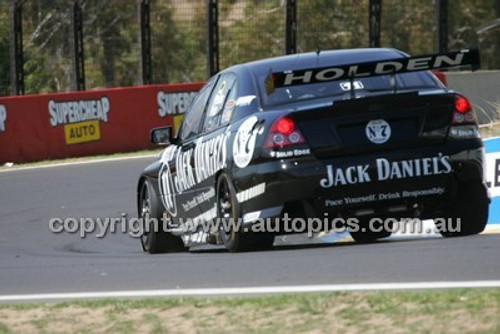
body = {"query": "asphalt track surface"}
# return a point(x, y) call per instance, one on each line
point(35, 260)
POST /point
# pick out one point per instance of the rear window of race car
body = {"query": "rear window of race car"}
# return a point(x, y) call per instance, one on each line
point(275, 96)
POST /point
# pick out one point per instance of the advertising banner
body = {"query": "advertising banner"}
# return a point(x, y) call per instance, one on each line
point(51, 126)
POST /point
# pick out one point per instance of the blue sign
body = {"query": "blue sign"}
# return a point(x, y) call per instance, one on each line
point(492, 147)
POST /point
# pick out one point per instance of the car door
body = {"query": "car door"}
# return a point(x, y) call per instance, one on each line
point(212, 147)
point(181, 178)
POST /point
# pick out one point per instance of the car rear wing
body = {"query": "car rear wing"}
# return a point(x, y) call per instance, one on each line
point(461, 59)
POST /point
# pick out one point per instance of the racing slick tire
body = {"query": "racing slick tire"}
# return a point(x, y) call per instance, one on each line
point(364, 234)
point(234, 237)
point(154, 239)
point(469, 213)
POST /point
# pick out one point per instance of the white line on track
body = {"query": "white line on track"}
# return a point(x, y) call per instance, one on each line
point(248, 290)
point(71, 163)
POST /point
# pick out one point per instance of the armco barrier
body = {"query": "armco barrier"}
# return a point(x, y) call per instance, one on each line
point(492, 147)
point(50, 126)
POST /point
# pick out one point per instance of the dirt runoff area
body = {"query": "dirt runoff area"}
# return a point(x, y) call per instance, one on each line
point(442, 311)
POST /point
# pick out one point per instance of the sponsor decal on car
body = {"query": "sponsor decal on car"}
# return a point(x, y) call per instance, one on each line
point(290, 153)
point(228, 111)
point(244, 142)
point(252, 192)
point(81, 119)
point(346, 85)
point(3, 117)
point(386, 170)
point(245, 101)
point(209, 157)
point(197, 200)
point(206, 216)
point(378, 131)
point(385, 196)
point(389, 66)
point(167, 189)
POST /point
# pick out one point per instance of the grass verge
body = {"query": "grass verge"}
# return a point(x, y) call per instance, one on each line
point(490, 130)
point(430, 311)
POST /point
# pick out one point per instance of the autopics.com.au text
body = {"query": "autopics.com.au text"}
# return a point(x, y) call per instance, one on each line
point(135, 227)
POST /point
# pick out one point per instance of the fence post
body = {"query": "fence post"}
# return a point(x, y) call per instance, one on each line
point(16, 48)
point(442, 25)
point(146, 68)
point(291, 27)
point(78, 56)
point(212, 38)
point(374, 18)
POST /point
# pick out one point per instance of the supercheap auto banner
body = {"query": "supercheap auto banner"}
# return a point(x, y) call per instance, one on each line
point(51, 126)
point(492, 147)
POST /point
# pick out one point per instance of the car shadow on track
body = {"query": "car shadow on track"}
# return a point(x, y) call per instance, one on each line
point(298, 243)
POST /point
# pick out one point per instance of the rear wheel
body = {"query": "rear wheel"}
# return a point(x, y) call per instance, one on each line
point(232, 234)
point(468, 215)
point(367, 234)
point(154, 239)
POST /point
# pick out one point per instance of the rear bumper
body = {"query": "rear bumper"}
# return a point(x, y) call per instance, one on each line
point(403, 182)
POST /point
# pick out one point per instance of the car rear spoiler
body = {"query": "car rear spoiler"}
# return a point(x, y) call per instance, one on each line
point(460, 59)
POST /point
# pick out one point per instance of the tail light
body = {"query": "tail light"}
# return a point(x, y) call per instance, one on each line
point(464, 123)
point(283, 132)
point(462, 113)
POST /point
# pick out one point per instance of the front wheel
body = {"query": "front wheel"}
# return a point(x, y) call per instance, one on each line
point(154, 238)
point(468, 215)
point(233, 235)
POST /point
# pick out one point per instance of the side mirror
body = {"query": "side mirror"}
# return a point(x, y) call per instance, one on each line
point(161, 136)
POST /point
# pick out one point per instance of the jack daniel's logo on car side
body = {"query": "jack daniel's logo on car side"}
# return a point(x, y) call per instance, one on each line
point(209, 157)
point(386, 170)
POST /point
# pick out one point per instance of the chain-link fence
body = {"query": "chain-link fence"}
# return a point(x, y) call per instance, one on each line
point(467, 21)
point(409, 25)
point(326, 24)
point(47, 51)
point(111, 47)
point(245, 30)
point(178, 38)
point(4, 51)
point(250, 30)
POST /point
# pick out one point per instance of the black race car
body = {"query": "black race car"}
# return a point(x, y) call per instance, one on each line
point(348, 134)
